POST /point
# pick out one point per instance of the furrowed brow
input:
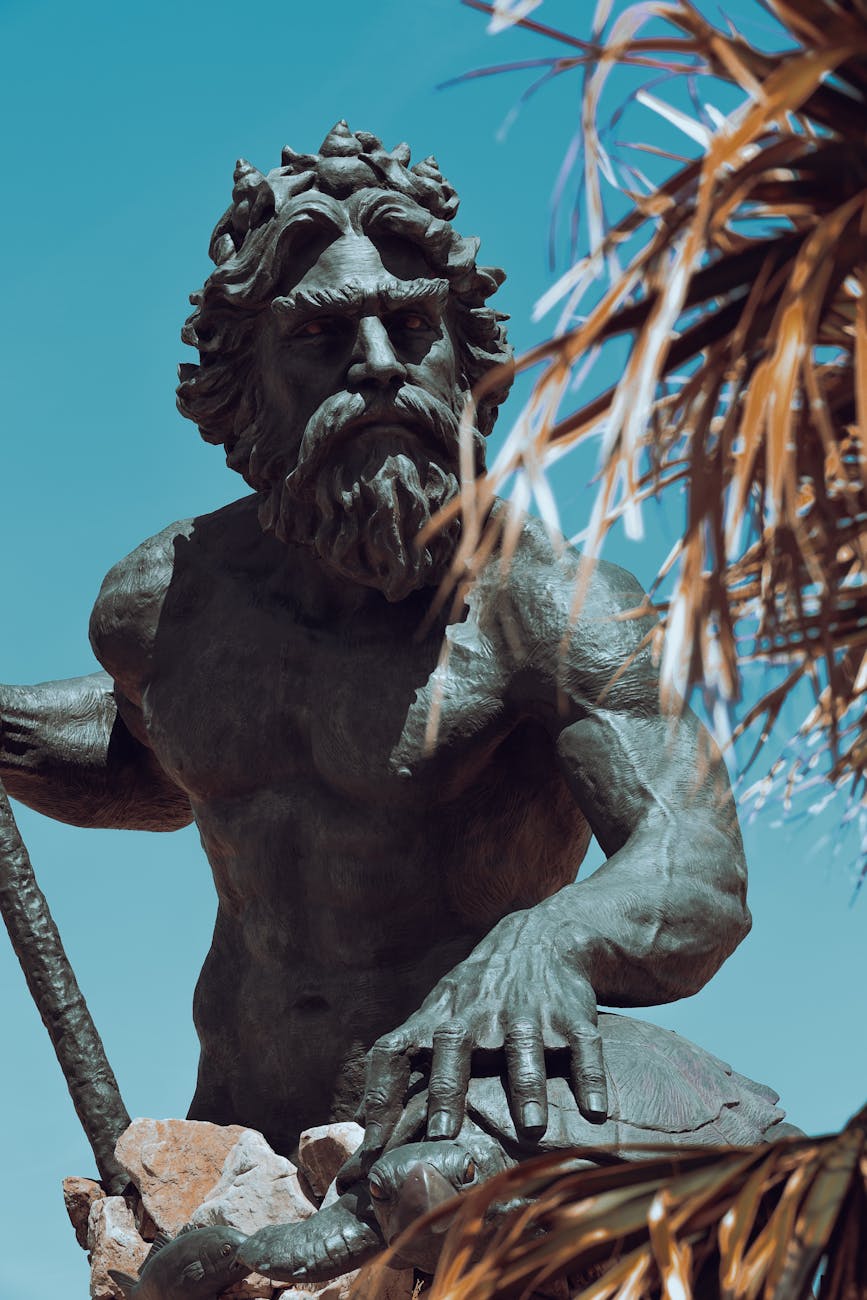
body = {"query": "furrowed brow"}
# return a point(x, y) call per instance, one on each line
point(432, 294)
point(303, 302)
point(389, 295)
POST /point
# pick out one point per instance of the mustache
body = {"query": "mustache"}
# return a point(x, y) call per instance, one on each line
point(343, 414)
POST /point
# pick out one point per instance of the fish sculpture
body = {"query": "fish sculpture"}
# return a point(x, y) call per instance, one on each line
point(197, 1264)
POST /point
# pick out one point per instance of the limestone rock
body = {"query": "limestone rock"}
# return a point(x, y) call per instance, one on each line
point(322, 1150)
point(113, 1243)
point(337, 1289)
point(175, 1163)
point(392, 1284)
point(143, 1221)
point(254, 1287)
point(78, 1196)
point(257, 1187)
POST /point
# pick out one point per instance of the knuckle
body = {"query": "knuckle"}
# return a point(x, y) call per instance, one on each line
point(388, 1045)
point(523, 1033)
point(444, 1094)
point(452, 1033)
point(528, 1079)
point(591, 1078)
point(587, 1038)
point(375, 1099)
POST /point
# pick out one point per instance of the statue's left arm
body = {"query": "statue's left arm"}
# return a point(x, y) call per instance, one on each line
point(659, 917)
point(651, 925)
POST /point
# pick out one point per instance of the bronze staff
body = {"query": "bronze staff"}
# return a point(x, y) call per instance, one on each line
point(61, 1004)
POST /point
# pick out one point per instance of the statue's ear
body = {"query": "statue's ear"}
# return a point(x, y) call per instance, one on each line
point(411, 1124)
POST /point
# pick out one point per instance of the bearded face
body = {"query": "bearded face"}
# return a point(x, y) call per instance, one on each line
point(362, 350)
point(369, 476)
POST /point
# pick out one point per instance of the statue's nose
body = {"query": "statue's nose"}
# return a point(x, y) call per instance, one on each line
point(374, 359)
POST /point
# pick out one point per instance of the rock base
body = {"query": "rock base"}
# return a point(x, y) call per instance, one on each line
point(190, 1172)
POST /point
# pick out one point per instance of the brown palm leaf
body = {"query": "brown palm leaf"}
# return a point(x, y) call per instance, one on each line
point(719, 1223)
point(745, 300)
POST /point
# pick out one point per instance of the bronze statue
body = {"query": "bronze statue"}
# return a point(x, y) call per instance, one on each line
point(386, 902)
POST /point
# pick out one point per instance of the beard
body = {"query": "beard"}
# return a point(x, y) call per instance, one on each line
point(368, 478)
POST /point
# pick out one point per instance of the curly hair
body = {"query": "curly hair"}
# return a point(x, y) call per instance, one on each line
point(351, 186)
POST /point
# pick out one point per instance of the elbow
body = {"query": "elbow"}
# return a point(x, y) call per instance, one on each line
point(730, 904)
point(727, 924)
point(721, 868)
point(737, 922)
point(744, 924)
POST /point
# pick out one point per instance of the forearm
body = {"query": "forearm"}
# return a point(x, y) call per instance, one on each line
point(662, 914)
point(659, 918)
point(65, 752)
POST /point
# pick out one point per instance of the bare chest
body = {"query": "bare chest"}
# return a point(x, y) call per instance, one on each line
point(243, 695)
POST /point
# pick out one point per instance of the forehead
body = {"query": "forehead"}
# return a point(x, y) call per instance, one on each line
point(356, 259)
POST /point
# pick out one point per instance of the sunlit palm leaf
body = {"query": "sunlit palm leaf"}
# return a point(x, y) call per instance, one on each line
point(749, 283)
point(705, 1222)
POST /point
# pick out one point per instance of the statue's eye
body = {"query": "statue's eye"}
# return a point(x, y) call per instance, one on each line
point(312, 329)
point(315, 329)
point(227, 1249)
point(469, 1171)
point(413, 322)
point(377, 1191)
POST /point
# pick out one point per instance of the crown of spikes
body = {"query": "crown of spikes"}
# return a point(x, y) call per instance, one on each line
point(347, 161)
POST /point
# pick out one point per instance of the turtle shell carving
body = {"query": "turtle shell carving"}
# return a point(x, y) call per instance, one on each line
point(661, 1088)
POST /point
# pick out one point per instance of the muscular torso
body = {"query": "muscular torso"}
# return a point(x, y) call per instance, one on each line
point(358, 850)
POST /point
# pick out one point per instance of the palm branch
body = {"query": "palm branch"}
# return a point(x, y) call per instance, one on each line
point(743, 298)
point(725, 1223)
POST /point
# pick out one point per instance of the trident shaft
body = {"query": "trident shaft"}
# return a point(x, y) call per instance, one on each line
point(52, 983)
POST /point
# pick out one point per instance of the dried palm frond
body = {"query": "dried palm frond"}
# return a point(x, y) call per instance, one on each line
point(731, 1223)
point(746, 382)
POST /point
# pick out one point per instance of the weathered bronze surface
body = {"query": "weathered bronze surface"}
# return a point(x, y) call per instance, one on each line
point(382, 899)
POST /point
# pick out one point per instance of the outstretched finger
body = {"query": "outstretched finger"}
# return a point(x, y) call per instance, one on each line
point(449, 1076)
point(588, 1072)
point(385, 1087)
point(525, 1070)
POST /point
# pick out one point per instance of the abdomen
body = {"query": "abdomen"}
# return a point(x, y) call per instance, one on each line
point(517, 834)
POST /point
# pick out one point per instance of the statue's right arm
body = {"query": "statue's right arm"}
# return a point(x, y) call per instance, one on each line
point(66, 751)
point(78, 750)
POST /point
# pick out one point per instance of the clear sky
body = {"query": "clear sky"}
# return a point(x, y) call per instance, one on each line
point(127, 121)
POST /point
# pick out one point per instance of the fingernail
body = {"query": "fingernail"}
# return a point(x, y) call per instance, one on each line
point(440, 1125)
point(596, 1103)
point(532, 1116)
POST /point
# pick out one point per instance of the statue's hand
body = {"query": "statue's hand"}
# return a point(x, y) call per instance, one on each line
point(522, 989)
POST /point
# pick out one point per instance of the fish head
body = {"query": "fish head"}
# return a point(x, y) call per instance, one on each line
point(217, 1250)
point(198, 1263)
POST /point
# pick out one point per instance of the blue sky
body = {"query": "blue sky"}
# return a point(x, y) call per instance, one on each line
point(127, 121)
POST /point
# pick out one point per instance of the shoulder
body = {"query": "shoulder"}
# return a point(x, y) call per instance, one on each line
point(130, 603)
point(530, 608)
point(127, 610)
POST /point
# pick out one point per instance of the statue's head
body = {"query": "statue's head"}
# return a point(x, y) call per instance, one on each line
point(339, 338)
